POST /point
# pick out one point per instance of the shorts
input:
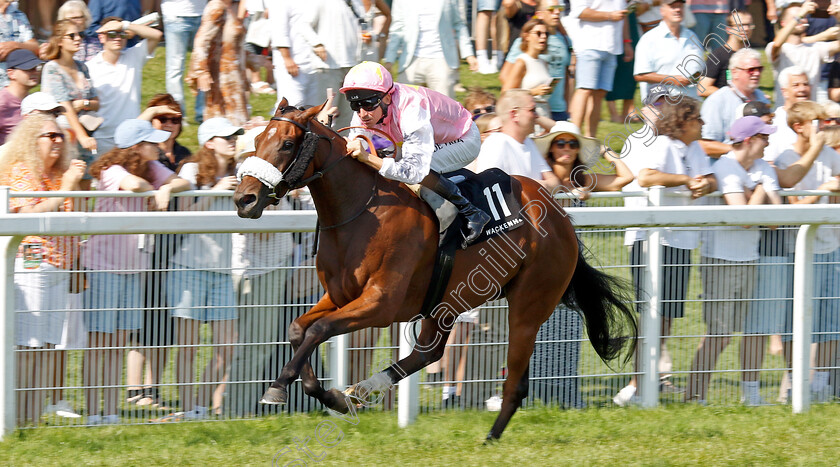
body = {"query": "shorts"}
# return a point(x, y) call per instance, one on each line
point(675, 274)
point(488, 5)
point(41, 295)
point(449, 157)
point(772, 298)
point(113, 302)
point(595, 70)
point(201, 295)
point(826, 322)
point(727, 292)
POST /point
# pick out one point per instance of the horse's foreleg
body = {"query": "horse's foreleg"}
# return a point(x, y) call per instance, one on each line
point(307, 333)
point(429, 348)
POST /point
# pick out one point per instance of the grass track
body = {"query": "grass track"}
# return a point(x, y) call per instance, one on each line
point(678, 435)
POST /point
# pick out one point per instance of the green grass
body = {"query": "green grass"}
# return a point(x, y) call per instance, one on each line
point(685, 435)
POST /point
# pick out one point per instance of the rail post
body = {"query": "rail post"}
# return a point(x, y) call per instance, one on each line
point(651, 317)
point(8, 250)
point(408, 390)
point(803, 307)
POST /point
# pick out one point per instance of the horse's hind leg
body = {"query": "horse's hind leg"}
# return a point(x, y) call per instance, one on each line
point(429, 348)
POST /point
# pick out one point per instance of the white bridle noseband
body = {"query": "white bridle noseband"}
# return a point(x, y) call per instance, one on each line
point(260, 169)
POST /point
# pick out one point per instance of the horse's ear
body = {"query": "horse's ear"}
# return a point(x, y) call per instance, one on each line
point(313, 112)
point(280, 106)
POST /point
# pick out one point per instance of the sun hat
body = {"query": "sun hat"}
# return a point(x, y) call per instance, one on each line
point(745, 127)
point(39, 101)
point(217, 126)
point(589, 147)
point(134, 131)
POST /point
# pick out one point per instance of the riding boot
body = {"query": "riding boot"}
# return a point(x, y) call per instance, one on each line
point(476, 218)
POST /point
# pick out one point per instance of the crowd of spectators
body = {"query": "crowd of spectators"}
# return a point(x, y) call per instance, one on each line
point(705, 125)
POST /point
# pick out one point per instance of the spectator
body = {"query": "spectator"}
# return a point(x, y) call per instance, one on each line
point(69, 82)
point(100, 10)
point(423, 39)
point(165, 114)
point(487, 124)
point(674, 159)
point(756, 109)
point(710, 16)
point(22, 70)
point(158, 331)
point(336, 22)
point(117, 73)
point(485, 20)
point(77, 12)
point(661, 53)
point(728, 272)
point(181, 19)
point(602, 24)
point(510, 149)
point(517, 13)
point(648, 16)
point(377, 15)
point(253, 15)
point(788, 48)
point(114, 299)
point(740, 27)
point(558, 55)
point(199, 288)
point(822, 174)
point(572, 157)
point(15, 33)
point(479, 102)
point(37, 160)
point(530, 72)
point(260, 274)
point(297, 50)
point(719, 109)
point(624, 88)
point(217, 65)
point(795, 88)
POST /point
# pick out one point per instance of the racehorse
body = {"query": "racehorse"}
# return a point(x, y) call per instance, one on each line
point(378, 244)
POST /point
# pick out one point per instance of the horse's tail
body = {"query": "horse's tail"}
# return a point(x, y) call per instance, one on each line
point(604, 303)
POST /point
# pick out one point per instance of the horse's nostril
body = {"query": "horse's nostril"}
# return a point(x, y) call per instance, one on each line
point(246, 200)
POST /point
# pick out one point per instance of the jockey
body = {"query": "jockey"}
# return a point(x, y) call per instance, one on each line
point(436, 135)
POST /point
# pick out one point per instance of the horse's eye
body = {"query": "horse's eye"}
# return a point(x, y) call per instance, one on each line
point(288, 145)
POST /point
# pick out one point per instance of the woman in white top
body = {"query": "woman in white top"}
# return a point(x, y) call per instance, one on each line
point(529, 71)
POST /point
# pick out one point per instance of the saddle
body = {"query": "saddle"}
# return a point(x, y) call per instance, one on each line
point(490, 191)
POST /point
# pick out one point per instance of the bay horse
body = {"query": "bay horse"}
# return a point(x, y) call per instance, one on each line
point(377, 248)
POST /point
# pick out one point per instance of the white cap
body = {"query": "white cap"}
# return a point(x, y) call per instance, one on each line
point(40, 101)
point(134, 131)
point(217, 126)
point(247, 144)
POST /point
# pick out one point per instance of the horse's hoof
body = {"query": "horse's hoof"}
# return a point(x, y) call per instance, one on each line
point(274, 396)
point(337, 401)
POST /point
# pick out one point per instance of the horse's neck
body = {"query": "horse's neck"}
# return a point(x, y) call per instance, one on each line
point(343, 192)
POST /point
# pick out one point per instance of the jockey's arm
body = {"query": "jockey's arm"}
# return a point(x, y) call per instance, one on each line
point(416, 158)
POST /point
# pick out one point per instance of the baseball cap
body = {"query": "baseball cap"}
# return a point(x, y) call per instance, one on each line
point(40, 101)
point(668, 2)
point(657, 91)
point(756, 109)
point(745, 127)
point(134, 131)
point(247, 143)
point(22, 59)
point(217, 126)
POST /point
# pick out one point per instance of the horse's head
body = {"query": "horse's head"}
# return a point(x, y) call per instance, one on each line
point(284, 153)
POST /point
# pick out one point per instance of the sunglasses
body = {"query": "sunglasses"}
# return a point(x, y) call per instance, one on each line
point(74, 35)
point(829, 121)
point(173, 120)
point(53, 135)
point(561, 143)
point(539, 33)
point(115, 35)
point(370, 104)
point(484, 110)
point(752, 70)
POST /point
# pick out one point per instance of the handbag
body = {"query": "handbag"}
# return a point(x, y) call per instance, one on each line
point(259, 32)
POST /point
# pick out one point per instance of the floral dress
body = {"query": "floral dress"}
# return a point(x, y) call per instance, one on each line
point(60, 84)
point(218, 50)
